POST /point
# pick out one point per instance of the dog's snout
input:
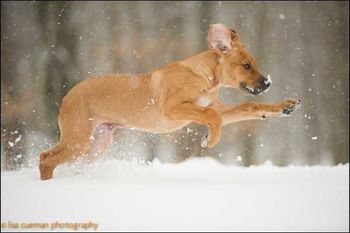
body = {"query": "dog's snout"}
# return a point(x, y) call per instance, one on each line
point(264, 83)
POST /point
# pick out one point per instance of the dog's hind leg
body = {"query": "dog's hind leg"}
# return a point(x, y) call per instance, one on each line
point(76, 130)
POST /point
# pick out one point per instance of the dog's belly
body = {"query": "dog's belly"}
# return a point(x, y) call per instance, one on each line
point(151, 125)
point(134, 114)
point(150, 121)
point(162, 126)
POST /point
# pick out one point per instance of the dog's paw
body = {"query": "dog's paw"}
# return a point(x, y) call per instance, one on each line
point(290, 105)
point(46, 172)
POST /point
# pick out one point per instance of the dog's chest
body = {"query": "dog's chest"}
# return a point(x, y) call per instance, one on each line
point(203, 101)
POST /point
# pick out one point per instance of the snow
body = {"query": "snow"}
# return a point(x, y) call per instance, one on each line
point(204, 101)
point(268, 82)
point(197, 195)
point(281, 16)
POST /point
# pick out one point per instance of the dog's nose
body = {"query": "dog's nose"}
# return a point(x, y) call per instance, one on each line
point(264, 83)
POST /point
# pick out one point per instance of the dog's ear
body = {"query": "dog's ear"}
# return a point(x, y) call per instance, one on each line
point(219, 37)
point(235, 41)
point(233, 34)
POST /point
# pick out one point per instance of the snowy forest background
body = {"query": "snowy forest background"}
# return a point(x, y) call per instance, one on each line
point(47, 47)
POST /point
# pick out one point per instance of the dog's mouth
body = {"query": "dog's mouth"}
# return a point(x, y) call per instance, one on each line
point(250, 90)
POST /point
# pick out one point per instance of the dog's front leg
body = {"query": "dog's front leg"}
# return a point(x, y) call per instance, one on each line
point(252, 111)
point(188, 111)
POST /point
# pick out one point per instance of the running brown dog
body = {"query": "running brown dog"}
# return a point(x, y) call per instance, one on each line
point(163, 100)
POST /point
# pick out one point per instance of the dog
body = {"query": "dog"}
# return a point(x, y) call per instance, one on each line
point(163, 100)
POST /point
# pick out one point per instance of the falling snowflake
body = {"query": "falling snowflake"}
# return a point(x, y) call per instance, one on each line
point(18, 138)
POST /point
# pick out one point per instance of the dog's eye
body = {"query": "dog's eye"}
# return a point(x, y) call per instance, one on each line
point(247, 66)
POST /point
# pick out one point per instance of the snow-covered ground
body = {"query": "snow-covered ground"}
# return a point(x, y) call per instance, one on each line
point(199, 194)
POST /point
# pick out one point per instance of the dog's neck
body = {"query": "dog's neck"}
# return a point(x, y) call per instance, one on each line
point(205, 65)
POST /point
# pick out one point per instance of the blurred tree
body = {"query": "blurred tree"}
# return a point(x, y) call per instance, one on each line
point(12, 129)
point(60, 44)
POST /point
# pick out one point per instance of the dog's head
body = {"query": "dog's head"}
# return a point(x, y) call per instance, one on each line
point(237, 67)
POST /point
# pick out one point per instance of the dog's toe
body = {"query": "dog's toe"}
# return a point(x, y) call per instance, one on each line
point(291, 107)
point(287, 111)
point(46, 172)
